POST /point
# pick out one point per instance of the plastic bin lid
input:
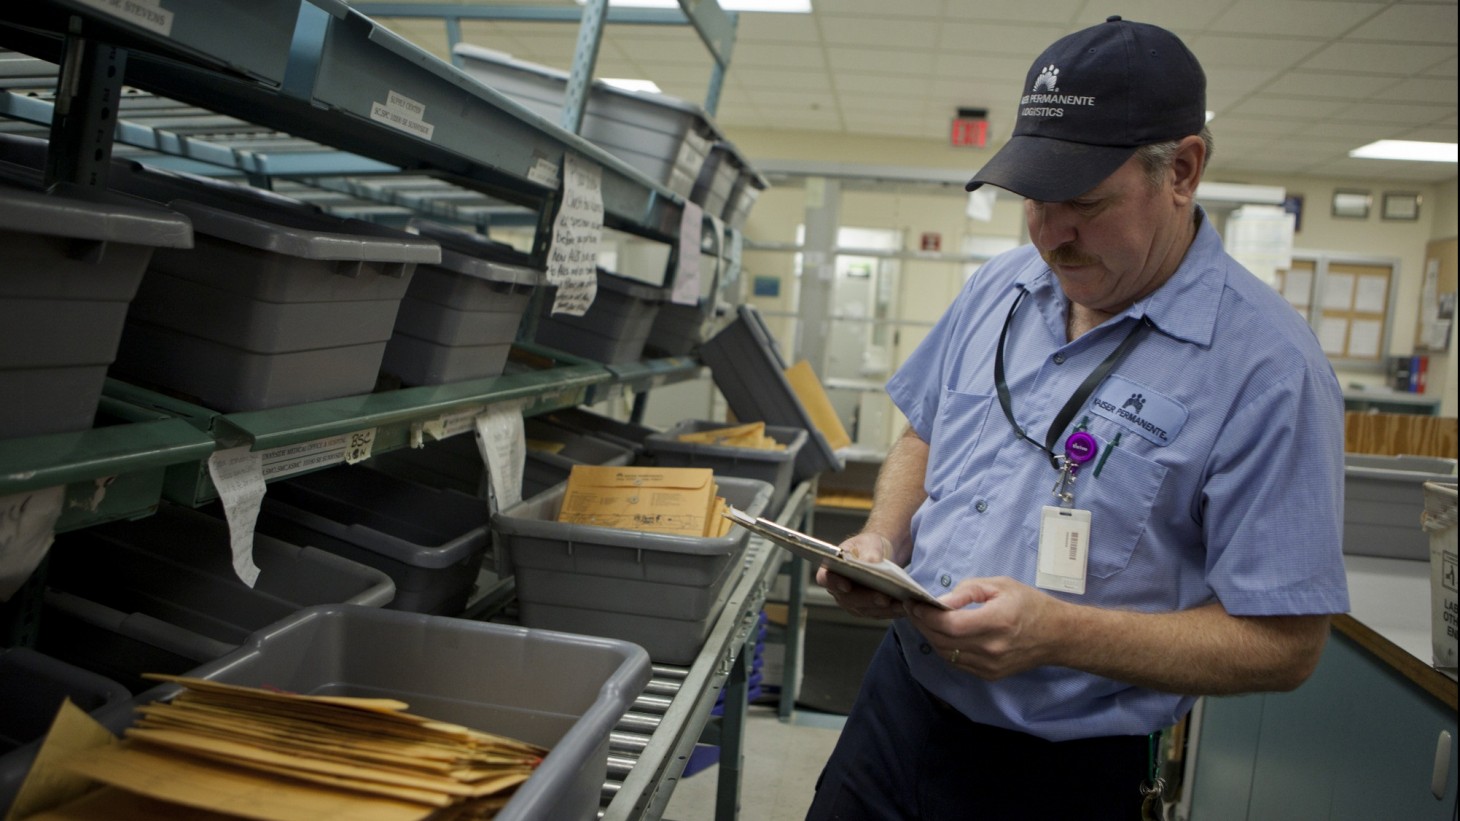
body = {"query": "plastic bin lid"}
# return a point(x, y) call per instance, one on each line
point(76, 213)
point(477, 256)
point(632, 288)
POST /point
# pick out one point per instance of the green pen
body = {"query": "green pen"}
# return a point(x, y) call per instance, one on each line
point(1106, 455)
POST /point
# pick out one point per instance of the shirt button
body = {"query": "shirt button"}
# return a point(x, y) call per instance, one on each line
point(1059, 359)
point(981, 506)
point(926, 648)
point(945, 580)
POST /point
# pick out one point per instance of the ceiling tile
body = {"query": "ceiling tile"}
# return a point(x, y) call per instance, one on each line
point(799, 80)
point(1060, 12)
point(1449, 67)
point(1419, 90)
point(1327, 85)
point(776, 28)
point(1411, 23)
point(880, 32)
point(910, 63)
point(903, 8)
point(1298, 18)
point(1432, 134)
point(1225, 50)
point(852, 85)
point(1237, 81)
point(1177, 15)
point(1025, 41)
point(890, 104)
point(1254, 127)
point(1286, 108)
point(1389, 58)
point(1400, 114)
point(776, 55)
point(799, 100)
point(989, 67)
point(1357, 133)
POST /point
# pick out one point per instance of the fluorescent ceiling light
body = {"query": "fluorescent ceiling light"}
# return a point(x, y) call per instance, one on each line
point(1210, 115)
point(780, 6)
point(633, 85)
point(1408, 150)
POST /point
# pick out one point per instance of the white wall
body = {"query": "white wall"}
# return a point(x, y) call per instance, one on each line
point(927, 287)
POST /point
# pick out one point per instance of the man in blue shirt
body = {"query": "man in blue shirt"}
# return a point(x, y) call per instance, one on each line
point(1123, 469)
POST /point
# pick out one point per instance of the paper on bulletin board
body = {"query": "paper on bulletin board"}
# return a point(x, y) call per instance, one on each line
point(27, 526)
point(577, 234)
point(687, 272)
point(1298, 287)
point(503, 445)
point(1333, 335)
point(1363, 338)
point(1338, 292)
point(238, 474)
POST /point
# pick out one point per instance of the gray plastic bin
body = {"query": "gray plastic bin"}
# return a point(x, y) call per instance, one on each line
point(717, 179)
point(278, 303)
point(564, 692)
point(748, 369)
point(748, 188)
point(542, 469)
point(429, 541)
point(32, 687)
point(659, 591)
point(775, 467)
point(454, 463)
point(72, 263)
point(1384, 502)
point(160, 595)
point(613, 330)
point(666, 138)
point(458, 319)
point(630, 435)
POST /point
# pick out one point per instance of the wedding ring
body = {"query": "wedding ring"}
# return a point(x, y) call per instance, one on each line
point(953, 656)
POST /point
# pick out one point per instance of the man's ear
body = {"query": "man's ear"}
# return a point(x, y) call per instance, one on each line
point(1186, 168)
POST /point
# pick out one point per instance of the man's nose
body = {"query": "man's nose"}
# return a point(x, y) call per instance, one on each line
point(1054, 225)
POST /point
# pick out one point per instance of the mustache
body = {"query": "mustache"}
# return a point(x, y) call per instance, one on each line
point(1068, 255)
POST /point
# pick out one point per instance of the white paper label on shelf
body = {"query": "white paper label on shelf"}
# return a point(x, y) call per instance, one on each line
point(544, 172)
point(148, 14)
point(577, 233)
point(238, 475)
point(400, 111)
point(687, 272)
point(27, 526)
point(358, 448)
point(287, 460)
point(450, 424)
point(503, 446)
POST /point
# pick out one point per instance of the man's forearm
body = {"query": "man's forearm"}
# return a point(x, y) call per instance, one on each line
point(899, 493)
point(1203, 651)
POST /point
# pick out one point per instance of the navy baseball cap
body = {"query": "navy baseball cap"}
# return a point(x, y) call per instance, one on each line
point(1090, 101)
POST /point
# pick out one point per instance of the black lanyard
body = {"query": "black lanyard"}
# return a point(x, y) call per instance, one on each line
point(1075, 402)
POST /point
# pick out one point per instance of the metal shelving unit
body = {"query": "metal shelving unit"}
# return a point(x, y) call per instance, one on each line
point(282, 93)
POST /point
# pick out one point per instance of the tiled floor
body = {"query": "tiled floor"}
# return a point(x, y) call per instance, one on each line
point(782, 761)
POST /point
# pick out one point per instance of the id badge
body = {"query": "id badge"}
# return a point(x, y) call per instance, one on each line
point(1064, 549)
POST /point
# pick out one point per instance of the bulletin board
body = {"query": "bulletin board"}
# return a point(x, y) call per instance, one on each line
point(1437, 299)
point(1351, 324)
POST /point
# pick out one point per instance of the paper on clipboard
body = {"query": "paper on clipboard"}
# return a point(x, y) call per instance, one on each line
point(884, 577)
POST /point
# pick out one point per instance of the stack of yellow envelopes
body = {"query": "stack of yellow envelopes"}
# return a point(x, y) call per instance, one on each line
point(676, 501)
point(750, 435)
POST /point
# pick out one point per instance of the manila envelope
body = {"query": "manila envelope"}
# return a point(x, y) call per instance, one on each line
point(653, 499)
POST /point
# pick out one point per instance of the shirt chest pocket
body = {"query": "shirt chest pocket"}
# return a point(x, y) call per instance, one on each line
point(956, 433)
point(1120, 500)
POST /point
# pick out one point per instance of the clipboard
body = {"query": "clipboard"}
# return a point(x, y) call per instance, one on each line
point(884, 577)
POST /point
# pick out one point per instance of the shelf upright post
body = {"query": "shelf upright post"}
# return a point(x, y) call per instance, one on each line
point(585, 57)
point(84, 121)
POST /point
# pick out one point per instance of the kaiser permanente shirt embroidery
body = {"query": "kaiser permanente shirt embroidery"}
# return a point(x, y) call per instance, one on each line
point(1181, 513)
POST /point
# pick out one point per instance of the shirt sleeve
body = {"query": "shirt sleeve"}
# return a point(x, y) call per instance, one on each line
point(1272, 506)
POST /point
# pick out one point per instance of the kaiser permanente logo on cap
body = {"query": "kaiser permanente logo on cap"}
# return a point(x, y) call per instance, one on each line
point(1045, 100)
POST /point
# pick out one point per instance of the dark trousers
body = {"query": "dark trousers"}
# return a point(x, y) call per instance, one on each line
point(904, 754)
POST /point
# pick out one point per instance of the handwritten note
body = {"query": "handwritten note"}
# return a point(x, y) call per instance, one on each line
point(238, 473)
point(687, 273)
point(503, 446)
point(577, 234)
point(27, 526)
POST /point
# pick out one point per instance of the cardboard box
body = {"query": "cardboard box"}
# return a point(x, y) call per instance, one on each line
point(677, 501)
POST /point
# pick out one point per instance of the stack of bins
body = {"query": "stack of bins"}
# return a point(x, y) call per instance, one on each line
point(665, 138)
point(73, 261)
point(277, 304)
point(774, 467)
point(159, 595)
point(429, 541)
point(458, 319)
point(657, 590)
point(451, 464)
point(625, 434)
point(32, 688)
point(1383, 500)
point(559, 691)
point(543, 469)
point(748, 187)
point(614, 329)
point(717, 179)
point(679, 329)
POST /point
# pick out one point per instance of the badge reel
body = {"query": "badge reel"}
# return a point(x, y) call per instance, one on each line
point(1064, 530)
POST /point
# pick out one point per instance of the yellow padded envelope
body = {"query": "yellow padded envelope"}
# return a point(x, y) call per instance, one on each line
point(653, 499)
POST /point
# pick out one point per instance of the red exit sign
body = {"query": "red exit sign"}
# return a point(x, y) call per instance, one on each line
point(969, 132)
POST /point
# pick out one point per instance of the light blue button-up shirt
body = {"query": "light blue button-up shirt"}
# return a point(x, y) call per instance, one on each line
point(1220, 468)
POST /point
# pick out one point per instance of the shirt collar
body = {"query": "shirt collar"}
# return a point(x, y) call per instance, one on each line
point(1185, 307)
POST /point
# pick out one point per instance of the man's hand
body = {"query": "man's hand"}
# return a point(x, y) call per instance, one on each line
point(853, 597)
point(1009, 631)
